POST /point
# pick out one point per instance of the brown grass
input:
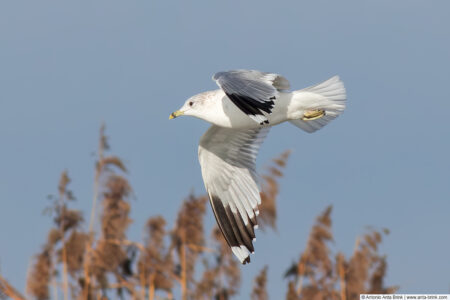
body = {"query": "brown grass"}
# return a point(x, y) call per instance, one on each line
point(259, 288)
point(101, 263)
point(188, 239)
point(269, 191)
point(40, 276)
point(319, 275)
point(7, 290)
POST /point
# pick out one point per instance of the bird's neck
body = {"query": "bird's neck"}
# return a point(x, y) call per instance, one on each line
point(215, 103)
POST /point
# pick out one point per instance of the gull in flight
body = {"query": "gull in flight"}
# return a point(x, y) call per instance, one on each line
point(241, 112)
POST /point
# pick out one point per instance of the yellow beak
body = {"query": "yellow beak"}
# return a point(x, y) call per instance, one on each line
point(176, 114)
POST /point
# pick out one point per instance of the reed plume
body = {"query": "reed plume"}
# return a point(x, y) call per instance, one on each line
point(259, 288)
point(221, 276)
point(100, 262)
point(188, 239)
point(155, 265)
point(319, 275)
point(270, 189)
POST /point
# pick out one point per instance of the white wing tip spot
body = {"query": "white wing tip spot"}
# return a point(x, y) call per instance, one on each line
point(241, 252)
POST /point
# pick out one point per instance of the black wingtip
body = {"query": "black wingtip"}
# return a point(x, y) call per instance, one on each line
point(236, 233)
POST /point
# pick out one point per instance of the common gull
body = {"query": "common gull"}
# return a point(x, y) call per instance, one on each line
point(241, 112)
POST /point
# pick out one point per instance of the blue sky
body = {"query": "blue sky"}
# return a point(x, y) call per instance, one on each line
point(68, 66)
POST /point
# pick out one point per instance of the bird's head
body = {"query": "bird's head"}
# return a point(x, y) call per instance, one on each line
point(194, 106)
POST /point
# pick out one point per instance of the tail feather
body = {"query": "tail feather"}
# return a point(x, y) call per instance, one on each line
point(329, 96)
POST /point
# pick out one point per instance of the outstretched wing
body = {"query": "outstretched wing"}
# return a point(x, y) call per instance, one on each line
point(227, 158)
point(253, 92)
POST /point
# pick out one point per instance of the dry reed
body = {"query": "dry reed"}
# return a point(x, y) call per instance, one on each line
point(259, 288)
point(269, 191)
point(319, 275)
point(100, 263)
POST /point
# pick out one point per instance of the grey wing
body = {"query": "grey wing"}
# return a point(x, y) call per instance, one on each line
point(253, 92)
point(227, 158)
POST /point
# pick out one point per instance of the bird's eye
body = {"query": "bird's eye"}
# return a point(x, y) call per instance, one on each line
point(191, 103)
